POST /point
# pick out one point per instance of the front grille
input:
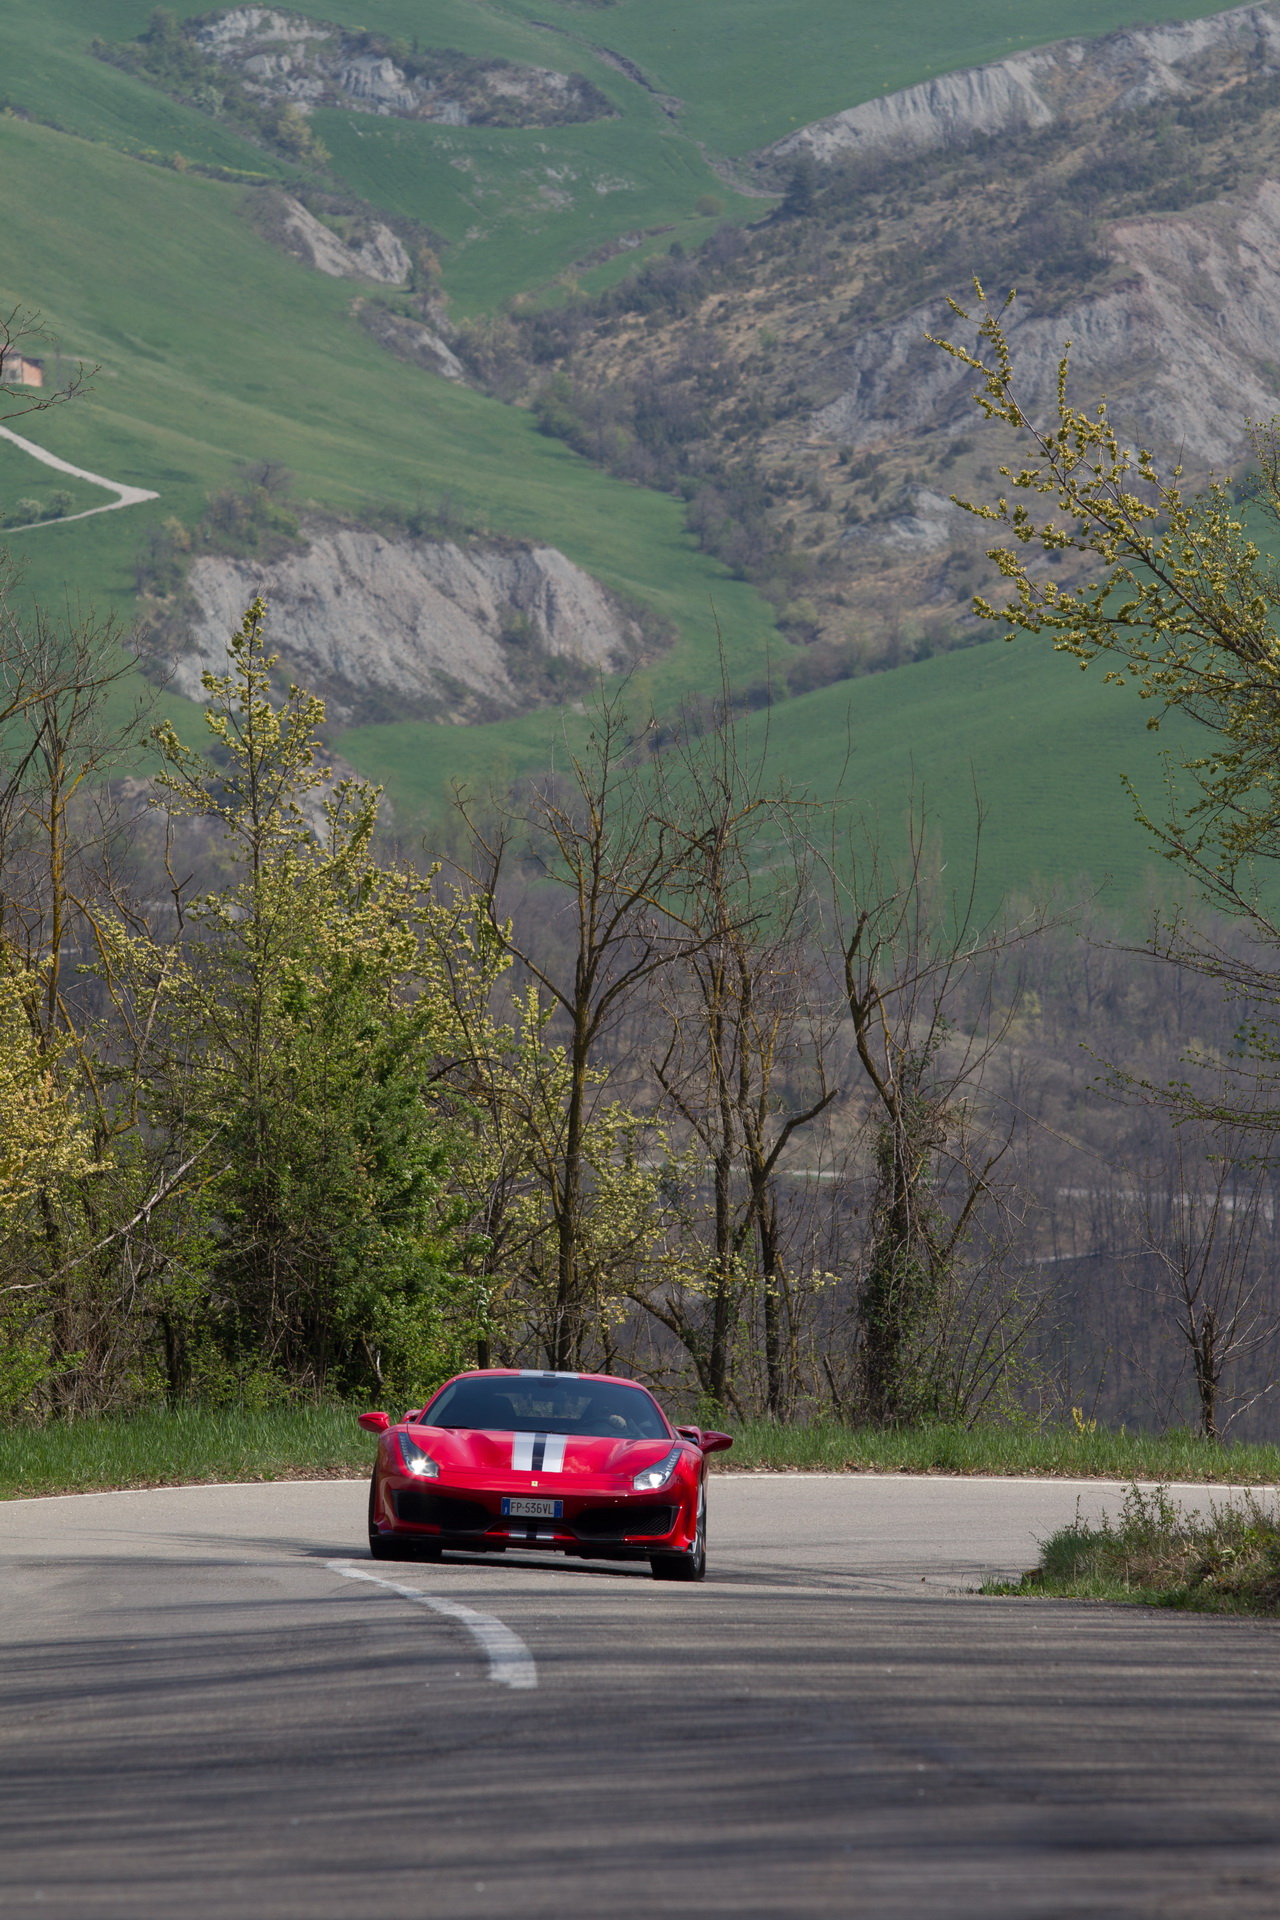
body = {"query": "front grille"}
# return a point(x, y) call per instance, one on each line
point(422, 1509)
point(613, 1523)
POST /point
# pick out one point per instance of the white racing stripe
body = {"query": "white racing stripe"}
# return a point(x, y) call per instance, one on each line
point(538, 1452)
point(128, 496)
point(510, 1661)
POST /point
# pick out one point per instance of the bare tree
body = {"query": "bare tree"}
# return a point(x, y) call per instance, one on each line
point(1207, 1218)
point(619, 873)
point(940, 1322)
point(20, 329)
point(744, 1065)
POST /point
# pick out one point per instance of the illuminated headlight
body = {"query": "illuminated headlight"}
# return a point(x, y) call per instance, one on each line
point(658, 1474)
point(416, 1462)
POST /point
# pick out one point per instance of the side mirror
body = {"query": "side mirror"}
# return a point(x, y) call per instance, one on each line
point(715, 1442)
point(691, 1433)
point(374, 1422)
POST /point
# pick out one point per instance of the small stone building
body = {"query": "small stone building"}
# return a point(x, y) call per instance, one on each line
point(17, 371)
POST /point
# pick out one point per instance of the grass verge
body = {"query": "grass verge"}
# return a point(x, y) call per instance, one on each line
point(161, 1448)
point(193, 1444)
point(1158, 1556)
point(1052, 1452)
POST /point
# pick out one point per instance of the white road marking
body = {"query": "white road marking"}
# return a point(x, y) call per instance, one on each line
point(510, 1661)
point(129, 496)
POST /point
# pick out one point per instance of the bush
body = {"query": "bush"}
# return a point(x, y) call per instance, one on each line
point(1228, 1563)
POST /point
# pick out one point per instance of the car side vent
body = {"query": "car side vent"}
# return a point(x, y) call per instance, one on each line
point(422, 1509)
point(613, 1523)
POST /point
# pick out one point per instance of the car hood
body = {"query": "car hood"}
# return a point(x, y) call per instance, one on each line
point(467, 1450)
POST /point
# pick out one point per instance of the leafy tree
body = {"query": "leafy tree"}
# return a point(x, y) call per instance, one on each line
point(307, 1016)
point(1168, 589)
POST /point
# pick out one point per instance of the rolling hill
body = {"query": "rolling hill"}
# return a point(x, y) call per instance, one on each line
point(126, 226)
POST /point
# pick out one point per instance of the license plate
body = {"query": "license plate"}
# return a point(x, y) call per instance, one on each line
point(520, 1509)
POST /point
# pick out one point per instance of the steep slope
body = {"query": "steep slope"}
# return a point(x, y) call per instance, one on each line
point(1075, 81)
point(783, 381)
point(145, 272)
point(219, 350)
point(386, 628)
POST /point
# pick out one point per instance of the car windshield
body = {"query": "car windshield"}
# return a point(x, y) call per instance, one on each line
point(512, 1403)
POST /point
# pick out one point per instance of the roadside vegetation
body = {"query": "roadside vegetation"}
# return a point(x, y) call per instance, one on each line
point(191, 1445)
point(1156, 1555)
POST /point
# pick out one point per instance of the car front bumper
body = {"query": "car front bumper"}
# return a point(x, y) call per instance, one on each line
point(593, 1526)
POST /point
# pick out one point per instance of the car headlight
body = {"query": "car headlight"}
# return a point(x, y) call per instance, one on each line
point(658, 1474)
point(415, 1461)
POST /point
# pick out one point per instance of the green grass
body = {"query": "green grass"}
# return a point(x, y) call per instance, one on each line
point(745, 71)
point(23, 478)
point(191, 1445)
point(162, 1449)
point(750, 71)
point(1052, 1452)
point(46, 68)
point(1015, 727)
point(521, 205)
point(1042, 745)
point(215, 348)
point(1226, 1560)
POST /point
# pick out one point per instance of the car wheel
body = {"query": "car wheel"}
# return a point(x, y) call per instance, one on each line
point(686, 1566)
point(385, 1546)
point(381, 1547)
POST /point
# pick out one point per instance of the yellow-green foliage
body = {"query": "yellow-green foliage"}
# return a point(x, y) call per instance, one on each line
point(1172, 588)
point(42, 1141)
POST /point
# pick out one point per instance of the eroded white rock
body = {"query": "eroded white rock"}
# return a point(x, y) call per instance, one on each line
point(1183, 346)
point(444, 626)
point(1125, 69)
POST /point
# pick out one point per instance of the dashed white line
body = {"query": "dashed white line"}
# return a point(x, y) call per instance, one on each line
point(510, 1661)
point(129, 496)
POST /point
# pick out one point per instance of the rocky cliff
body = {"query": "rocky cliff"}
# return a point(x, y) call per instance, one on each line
point(372, 252)
point(284, 56)
point(1181, 342)
point(816, 432)
point(400, 628)
point(1072, 80)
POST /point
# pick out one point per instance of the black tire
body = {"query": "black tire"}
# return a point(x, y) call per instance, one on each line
point(381, 1546)
point(686, 1566)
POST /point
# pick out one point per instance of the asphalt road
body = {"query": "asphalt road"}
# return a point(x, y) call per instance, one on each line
point(205, 1712)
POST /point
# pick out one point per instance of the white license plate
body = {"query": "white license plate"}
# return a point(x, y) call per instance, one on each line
point(533, 1509)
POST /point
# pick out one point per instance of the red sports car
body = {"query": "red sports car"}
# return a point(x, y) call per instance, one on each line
point(577, 1463)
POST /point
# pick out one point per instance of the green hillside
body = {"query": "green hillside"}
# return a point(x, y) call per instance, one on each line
point(214, 349)
point(1042, 746)
point(748, 71)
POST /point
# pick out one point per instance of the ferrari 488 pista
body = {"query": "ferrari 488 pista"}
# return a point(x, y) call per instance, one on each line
point(575, 1463)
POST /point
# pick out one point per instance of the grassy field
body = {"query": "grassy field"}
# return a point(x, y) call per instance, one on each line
point(517, 206)
point(269, 361)
point(1009, 734)
point(190, 1445)
point(520, 209)
point(749, 71)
